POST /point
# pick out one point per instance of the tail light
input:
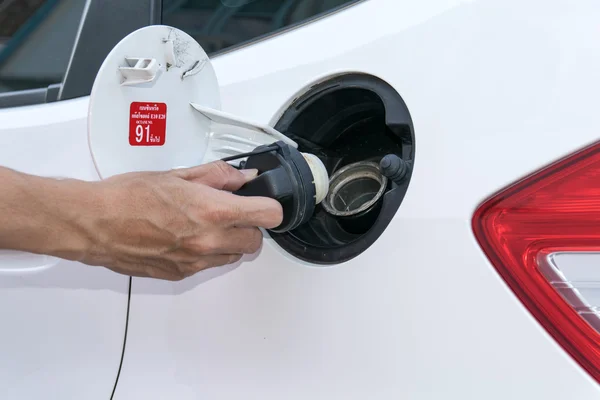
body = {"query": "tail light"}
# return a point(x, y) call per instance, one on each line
point(542, 235)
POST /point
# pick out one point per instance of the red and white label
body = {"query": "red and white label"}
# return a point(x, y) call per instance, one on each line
point(147, 124)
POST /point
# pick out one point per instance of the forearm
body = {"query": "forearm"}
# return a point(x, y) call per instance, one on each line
point(44, 215)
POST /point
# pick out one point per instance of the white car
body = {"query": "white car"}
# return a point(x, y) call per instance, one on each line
point(477, 276)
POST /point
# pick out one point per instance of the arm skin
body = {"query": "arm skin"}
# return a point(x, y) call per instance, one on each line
point(43, 215)
point(165, 225)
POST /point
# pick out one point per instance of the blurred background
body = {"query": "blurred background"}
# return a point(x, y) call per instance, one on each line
point(37, 36)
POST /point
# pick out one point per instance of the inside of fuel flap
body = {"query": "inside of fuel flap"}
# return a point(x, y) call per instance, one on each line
point(350, 122)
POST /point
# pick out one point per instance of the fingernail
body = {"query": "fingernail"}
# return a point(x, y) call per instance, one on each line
point(250, 173)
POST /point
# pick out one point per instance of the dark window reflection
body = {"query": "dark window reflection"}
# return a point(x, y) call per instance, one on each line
point(219, 24)
point(36, 40)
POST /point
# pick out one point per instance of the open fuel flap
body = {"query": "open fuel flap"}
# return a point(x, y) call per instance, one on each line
point(155, 105)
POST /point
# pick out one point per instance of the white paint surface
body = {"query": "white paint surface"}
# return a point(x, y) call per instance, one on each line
point(496, 89)
point(62, 324)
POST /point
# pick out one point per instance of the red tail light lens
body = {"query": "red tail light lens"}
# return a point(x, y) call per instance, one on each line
point(554, 211)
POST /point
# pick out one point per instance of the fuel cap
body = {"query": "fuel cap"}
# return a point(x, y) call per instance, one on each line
point(299, 181)
point(155, 105)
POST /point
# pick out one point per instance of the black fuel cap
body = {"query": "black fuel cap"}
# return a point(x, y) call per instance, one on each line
point(285, 175)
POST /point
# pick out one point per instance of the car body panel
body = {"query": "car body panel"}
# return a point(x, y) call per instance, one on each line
point(62, 324)
point(496, 90)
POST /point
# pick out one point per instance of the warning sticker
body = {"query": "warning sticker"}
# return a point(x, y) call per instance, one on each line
point(147, 124)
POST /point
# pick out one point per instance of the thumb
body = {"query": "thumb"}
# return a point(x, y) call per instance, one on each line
point(218, 175)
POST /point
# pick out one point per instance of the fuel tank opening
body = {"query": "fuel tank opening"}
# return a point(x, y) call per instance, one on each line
point(350, 122)
point(354, 189)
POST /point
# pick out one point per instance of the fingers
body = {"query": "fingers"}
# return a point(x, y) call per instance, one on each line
point(227, 241)
point(218, 175)
point(231, 210)
point(163, 272)
point(214, 261)
point(187, 270)
point(176, 271)
point(240, 211)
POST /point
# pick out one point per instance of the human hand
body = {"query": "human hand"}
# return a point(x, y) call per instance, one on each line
point(170, 225)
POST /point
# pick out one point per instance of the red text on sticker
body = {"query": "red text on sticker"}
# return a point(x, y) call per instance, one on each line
point(147, 124)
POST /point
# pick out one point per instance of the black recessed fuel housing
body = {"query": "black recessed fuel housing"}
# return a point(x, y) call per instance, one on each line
point(344, 120)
